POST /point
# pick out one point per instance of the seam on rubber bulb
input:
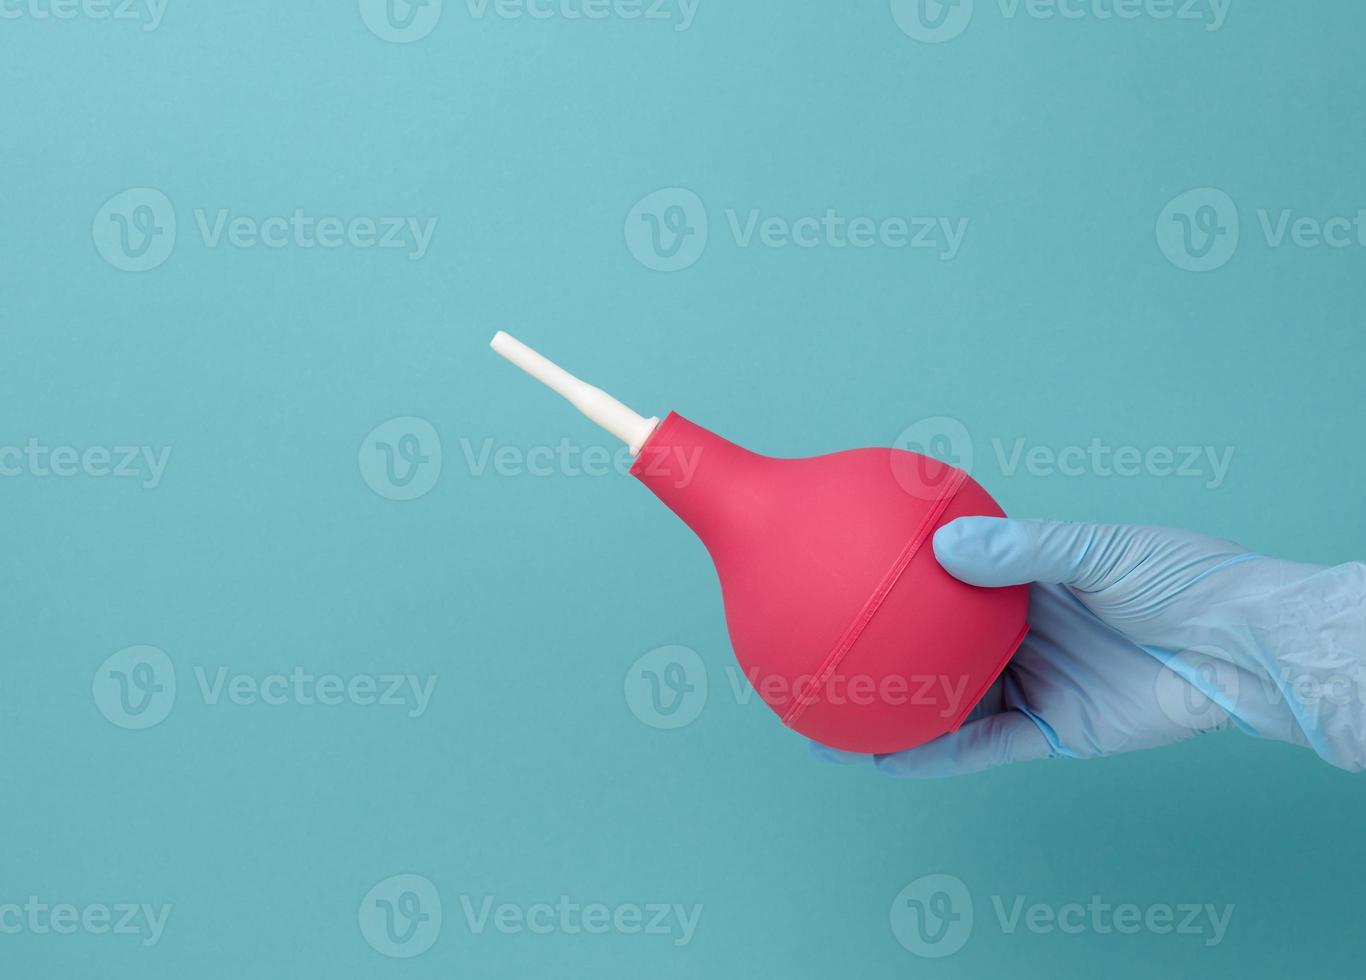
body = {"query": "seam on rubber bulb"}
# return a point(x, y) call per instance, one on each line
point(849, 638)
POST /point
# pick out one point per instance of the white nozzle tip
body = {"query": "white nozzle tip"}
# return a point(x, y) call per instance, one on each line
point(503, 342)
point(599, 406)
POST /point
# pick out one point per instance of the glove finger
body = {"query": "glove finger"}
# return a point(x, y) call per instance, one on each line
point(840, 758)
point(997, 552)
point(1010, 736)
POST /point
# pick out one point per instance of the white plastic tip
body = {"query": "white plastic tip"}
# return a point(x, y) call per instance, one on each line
point(628, 426)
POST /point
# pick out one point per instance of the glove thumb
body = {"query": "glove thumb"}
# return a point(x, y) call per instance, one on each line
point(996, 552)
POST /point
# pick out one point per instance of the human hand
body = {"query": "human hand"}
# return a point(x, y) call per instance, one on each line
point(1143, 636)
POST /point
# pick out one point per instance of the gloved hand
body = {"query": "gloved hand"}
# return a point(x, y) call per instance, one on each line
point(1143, 636)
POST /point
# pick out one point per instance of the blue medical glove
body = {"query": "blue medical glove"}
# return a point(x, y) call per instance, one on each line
point(1144, 636)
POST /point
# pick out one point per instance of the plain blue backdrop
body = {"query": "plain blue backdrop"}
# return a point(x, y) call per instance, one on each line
point(277, 542)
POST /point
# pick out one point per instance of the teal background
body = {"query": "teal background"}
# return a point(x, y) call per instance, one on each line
point(264, 550)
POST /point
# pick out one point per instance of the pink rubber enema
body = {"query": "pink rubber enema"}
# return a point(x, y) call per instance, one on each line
point(840, 616)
